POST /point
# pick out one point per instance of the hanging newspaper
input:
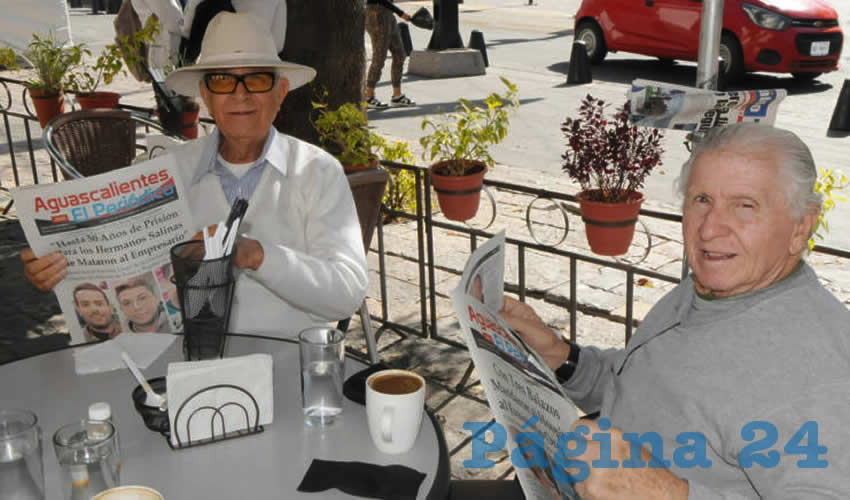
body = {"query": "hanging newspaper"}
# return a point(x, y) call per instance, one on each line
point(663, 105)
point(116, 230)
point(530, 407)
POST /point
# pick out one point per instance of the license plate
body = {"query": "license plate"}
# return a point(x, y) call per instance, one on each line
point(819, 48)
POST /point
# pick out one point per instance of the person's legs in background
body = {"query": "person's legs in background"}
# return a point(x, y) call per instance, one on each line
point(399, 54)
point(379, 29)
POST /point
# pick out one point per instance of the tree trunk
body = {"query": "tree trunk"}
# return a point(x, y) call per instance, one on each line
point(327, 35)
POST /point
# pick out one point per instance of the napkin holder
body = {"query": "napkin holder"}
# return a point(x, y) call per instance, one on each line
point(156, 419)
point(219, 432)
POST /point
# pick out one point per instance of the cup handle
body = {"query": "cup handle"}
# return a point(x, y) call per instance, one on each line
point(387, 424)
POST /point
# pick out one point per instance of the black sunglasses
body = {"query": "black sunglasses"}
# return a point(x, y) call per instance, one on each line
point(225, 83)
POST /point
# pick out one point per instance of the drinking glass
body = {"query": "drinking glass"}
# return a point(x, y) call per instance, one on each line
point(21, 468)
point(322, 351)
point(88, 456)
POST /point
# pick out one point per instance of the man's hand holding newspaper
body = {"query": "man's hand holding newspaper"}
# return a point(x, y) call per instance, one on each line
point(525, 396)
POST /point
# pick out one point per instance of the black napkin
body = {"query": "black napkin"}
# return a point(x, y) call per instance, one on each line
point(354, 387)
point(388, 482)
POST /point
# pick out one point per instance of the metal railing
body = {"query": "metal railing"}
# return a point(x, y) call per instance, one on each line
point(426, 223)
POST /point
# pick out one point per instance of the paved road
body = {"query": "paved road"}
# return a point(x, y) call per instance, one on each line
point(530, 45)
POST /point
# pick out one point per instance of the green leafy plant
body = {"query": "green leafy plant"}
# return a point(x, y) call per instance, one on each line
point(344, 132)
point(8, 58)
point(830, 183)
point(402, 196)
point(51, 61)
point(465, 136)
point(88, 77)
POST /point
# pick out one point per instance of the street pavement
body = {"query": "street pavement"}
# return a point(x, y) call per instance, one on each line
point(530, 46)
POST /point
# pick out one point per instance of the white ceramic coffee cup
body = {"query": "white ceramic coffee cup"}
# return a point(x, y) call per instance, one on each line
point(129, 493)
point(394, 419)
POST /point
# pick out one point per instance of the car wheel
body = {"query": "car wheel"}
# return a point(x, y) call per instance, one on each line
point(805, 77)
point(590, 33)
point(732, 57)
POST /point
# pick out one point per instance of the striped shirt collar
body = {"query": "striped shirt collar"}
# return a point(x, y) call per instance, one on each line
point(274, 152)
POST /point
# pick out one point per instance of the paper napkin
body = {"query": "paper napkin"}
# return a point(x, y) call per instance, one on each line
point(144, 348)
point(224, 385)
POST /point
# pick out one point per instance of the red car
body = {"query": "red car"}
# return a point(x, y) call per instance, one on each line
point(801, 37)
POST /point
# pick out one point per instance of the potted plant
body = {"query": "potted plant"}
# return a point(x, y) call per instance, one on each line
point(344, 132)
point(610, 159)
point(88, 77)
point(458, 148)
point(829, 184)
point(51, 62)
point(8, 58)
point(178, 113)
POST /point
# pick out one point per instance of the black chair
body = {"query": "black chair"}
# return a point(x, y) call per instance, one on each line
point(367, 187)
point(90, 142)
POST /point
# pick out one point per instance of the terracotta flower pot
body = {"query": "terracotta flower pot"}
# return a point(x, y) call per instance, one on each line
point(190, 124)
point(187, 126)
point(610, 227)
point(350, 169)
point(458, 195)
point(47, 106)
point(94, 100)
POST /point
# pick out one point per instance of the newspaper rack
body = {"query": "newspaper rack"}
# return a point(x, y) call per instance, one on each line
point(185, 440)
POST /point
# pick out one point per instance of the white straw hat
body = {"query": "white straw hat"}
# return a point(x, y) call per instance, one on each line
point(236, 41)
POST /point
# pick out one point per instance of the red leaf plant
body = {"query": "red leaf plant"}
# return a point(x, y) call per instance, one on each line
point(609, 157)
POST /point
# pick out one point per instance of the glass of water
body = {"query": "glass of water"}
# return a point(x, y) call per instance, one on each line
point(322, 352)
point(21, 471)
point(88, 456)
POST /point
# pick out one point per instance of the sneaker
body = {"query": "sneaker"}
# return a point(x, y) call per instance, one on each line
point(402, 101)
point(374, 103)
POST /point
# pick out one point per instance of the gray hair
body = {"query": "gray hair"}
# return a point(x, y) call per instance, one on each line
point(796, 164)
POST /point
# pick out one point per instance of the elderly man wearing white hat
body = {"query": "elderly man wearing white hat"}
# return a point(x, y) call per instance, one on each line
point(301, 248)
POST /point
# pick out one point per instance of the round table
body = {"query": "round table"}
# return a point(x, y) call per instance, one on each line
point(266, 465)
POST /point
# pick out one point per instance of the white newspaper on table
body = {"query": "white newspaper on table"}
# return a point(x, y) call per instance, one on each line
point(524, 394)
point(664, 105)
point(116, 230)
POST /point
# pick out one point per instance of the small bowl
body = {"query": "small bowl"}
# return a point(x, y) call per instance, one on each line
point(155, 418)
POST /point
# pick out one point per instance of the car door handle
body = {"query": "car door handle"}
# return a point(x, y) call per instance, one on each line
point(649, 3)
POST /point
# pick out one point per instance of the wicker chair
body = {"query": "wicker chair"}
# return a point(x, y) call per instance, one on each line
point(91, 142)
point(367, 187)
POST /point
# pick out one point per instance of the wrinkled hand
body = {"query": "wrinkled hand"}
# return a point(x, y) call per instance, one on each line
point(631, 483)
point(44, 272)
point(522, 318)
point(249, 252)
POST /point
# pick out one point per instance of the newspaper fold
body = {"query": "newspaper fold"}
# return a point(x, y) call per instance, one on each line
point(664, 105)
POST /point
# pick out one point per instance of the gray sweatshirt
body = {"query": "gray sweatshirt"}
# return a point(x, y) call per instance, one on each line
point(780, 355)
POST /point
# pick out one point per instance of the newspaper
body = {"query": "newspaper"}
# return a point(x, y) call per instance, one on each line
point(524, 394)
point(116, 230)
point(663, 105)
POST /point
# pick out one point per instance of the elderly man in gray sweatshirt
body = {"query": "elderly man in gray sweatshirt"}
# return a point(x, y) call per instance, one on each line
point(742, 372)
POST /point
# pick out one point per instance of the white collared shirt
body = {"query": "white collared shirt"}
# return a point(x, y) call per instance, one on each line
point(314, 269)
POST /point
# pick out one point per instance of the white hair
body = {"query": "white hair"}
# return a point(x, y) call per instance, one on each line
point(796, 164)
